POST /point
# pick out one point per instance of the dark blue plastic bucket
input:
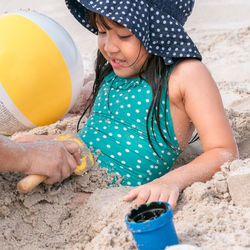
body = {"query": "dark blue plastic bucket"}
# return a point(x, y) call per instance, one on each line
point(152, 226)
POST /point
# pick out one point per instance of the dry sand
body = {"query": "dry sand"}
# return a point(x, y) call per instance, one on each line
point(208, 215)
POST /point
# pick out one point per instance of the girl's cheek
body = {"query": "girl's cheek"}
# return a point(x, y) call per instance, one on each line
point(101, 41)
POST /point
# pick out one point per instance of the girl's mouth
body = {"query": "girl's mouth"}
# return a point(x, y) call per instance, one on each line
point(116, 63)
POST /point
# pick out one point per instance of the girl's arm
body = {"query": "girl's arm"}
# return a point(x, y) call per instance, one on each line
point(203, 105)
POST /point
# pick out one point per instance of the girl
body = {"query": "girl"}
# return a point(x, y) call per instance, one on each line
point(151, 90)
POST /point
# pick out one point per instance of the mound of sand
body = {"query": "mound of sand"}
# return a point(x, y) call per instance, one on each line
point(206, 215)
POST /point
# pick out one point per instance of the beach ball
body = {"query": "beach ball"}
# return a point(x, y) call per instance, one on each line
point(41, 71)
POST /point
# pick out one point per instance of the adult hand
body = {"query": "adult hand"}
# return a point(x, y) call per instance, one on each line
point(55, 159)
point(31, 138)
point(155, 191)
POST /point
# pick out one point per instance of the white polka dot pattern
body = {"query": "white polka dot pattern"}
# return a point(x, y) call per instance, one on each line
point(119, 131)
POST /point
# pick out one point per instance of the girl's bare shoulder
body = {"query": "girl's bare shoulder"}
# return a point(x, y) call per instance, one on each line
point(189, 75)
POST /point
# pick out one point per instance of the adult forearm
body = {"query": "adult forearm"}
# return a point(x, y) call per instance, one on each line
point(201, 168)
point(11, 155)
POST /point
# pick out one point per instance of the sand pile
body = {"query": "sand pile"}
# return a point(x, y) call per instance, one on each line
point(48, 218)
point(208, 215)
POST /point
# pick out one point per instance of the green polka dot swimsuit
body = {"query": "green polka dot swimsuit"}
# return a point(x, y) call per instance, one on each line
point(117, 127)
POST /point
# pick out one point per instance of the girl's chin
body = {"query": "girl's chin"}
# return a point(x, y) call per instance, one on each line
point(124, 74)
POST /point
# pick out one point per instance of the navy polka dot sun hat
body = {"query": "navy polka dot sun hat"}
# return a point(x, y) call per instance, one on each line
point(158, 24)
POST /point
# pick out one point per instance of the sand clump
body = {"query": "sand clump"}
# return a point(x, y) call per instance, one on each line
point(35, 220)
point(206, 215)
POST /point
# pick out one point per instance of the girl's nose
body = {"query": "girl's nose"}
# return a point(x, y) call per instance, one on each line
point(111, 45)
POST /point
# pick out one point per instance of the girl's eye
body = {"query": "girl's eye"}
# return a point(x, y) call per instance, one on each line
point(101, 32)
point(125, 37)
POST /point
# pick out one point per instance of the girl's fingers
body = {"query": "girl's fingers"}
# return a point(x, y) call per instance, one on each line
point(131, 195)
point(154, 196)
point(143, 196)
point(146, 194)
point(164, 196)
point(173, 199)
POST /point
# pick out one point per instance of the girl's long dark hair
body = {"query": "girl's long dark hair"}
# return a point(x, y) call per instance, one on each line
point(156, 73)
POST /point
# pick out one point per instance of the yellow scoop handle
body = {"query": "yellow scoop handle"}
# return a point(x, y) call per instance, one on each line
point(29, 182)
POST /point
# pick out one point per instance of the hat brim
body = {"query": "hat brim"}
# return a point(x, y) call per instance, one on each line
point(164, 37)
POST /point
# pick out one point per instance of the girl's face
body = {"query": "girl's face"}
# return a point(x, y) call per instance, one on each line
point(121, 49)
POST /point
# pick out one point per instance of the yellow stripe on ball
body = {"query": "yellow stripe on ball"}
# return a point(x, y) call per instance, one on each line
point(33, 72)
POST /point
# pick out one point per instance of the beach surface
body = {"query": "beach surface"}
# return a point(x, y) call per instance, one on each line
point(211, 215)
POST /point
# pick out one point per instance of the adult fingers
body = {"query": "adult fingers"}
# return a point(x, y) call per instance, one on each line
point(74, 149)
point(56, 177)
point(31, 138)
point(62, 168)
point(69, 167)
point(25, 138)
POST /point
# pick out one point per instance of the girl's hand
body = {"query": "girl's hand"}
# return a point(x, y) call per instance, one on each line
point(155, 191)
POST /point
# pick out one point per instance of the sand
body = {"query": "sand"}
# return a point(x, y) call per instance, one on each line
point(208, 215)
